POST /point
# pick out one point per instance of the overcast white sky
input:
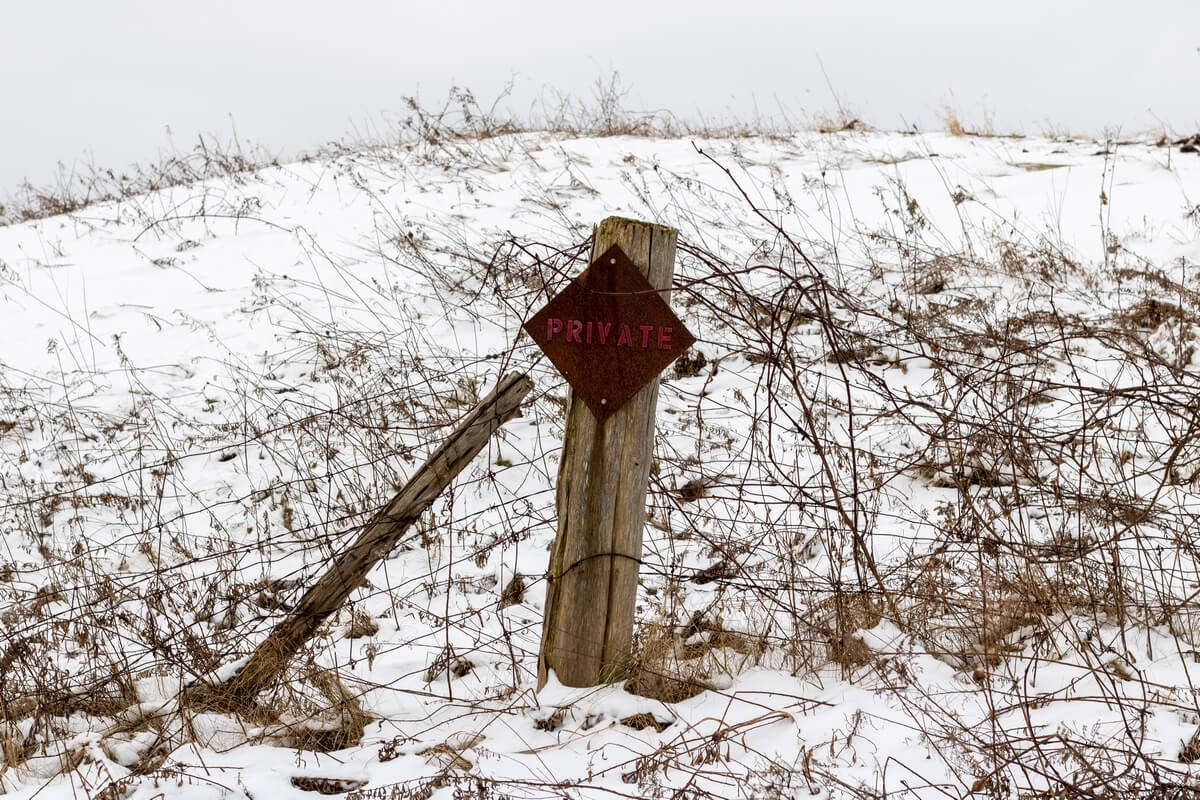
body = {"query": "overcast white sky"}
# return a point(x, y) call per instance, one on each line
point(103, 81)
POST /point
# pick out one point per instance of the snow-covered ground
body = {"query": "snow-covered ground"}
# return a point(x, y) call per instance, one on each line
point(921, 524)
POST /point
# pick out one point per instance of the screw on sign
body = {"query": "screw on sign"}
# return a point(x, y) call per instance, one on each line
point(609, 333)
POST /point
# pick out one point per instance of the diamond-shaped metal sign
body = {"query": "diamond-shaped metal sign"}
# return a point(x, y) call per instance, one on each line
point(609, 332)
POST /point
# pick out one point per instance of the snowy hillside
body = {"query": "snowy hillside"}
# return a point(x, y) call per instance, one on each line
point(923, 514)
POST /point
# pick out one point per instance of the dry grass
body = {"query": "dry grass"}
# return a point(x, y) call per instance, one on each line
point(447, 132)
point(1057, 539)
point(81, 187)
point(954, 125)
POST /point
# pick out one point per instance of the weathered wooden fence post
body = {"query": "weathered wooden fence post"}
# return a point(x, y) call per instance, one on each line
point(380, 536)
point(602, 479)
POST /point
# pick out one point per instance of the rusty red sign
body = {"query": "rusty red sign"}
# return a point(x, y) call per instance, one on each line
point(609, 332)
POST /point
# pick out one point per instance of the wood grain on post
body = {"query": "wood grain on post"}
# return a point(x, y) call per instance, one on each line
point(378, 538)
point(593, 575)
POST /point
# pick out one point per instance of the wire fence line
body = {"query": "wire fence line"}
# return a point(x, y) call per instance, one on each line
point(975, 443)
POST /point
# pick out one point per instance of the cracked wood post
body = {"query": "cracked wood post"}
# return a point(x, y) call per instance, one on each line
point(587, 632)
point(377, 539)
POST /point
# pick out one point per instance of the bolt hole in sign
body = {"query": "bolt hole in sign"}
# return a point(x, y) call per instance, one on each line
point(609, 333)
